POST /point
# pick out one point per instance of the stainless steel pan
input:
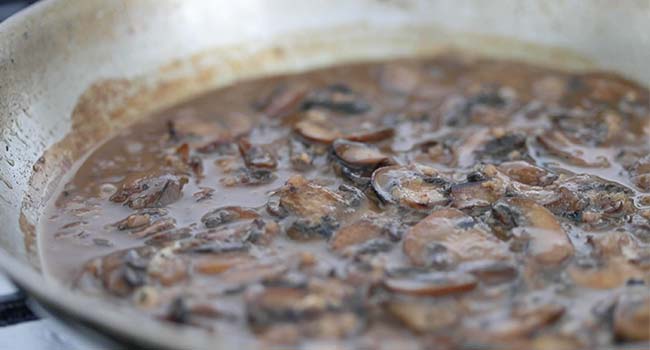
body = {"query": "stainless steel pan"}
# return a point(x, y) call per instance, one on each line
point(73, 71)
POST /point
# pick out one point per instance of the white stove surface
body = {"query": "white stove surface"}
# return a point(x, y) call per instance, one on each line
point(34, 335)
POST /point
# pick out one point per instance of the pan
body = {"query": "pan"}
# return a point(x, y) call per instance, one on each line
point(73, 72)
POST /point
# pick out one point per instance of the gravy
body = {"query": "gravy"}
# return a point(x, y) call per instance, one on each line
point(450, 202)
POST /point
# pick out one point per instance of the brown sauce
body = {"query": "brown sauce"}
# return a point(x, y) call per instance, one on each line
point(443, 203)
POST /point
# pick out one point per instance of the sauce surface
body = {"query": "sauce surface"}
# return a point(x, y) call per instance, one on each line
point(449, 203)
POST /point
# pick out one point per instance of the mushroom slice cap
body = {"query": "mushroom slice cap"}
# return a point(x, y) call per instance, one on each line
point(558, 145)
point(476, 197)
point(425, 316)
point(432, 284)
point(316, 132)
point(414, 186)
point(490, 271)
point(225, 215)
point(611, 273)
point(526, 173)
point(358, 154)
point(632, 316)
point(309, 200)
point(150, 191)
point(355, 233)
point(372, 135)
point(257, 156)
point(508, 325)
point(548, 244)
point(316, 209)
point(451, 235)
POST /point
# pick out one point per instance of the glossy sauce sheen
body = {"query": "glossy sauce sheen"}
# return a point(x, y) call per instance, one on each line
point(450, 202)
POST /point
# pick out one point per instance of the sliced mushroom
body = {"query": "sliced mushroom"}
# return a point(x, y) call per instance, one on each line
point(508, 147)
point(336, 98)
point(632, 316)
point(256, 156)
point(304, 229)
point(640, 173)
point(413, 186)
point(225, 215)
point(611, 273)
point(139, 219)
point(120, 272)
point(551, 341)
point(261, 231)
point(426, 316)
point(590, 128)
point(185, 163)
point(248, 177)
point(365, 234)
point(148, 192)
point(475, 197)
point(579, 194)
point(489, 105)
point(603, 87)
point(133, 221)
point(279, 335)
point(274, 208)
point(559, 146)
point(641, 165)
point(157, 226)
point(615, 243)
point(241, 276)
point(316, 207)
point(356, 161)
point(274, 304)
point(357, 154)
point(522, 319)
point(308, 199)
point(527, 173)
point(203, 193)
point(221, 146)
point(167, 267)
point(334, 325)
point(432, 284)
point(490, 271)
point(355, 233)
point(164, 237)
point(371, 135)
point(300, 155)
point(202, 246)
point(437, 151)
point(319, 311)
point(317, 132)
point(642, 181)
point(548, 244)
point(448, 236)
point(216, 264)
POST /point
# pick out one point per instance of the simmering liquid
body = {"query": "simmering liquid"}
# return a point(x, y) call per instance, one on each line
point(444, 203)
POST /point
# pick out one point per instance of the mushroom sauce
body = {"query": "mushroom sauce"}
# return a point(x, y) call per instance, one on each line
point(445, 203)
